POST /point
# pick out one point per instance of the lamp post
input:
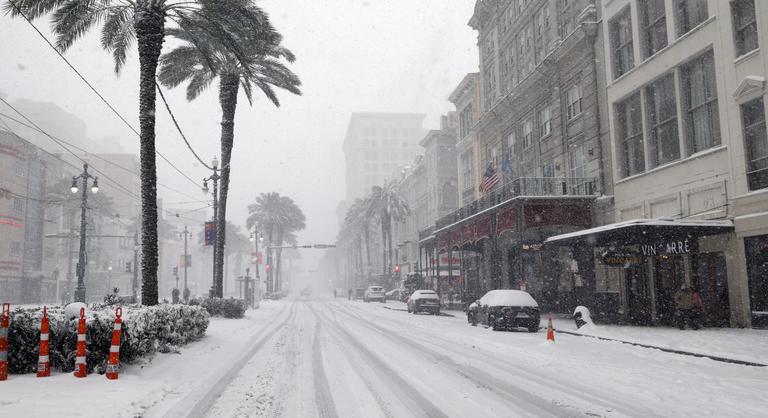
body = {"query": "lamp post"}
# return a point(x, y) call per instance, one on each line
point(256, 238)
point(81, 260)
point(185, 293)
point(216, 288)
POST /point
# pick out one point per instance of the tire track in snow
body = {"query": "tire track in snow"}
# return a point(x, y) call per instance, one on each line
point(404, 390)
point(325, 406)
point(502, 388)
point(202, 403)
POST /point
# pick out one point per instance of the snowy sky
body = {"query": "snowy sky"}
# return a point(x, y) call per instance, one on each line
point(352, 55)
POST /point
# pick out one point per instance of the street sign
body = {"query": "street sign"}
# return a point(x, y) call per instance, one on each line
point(210, 233)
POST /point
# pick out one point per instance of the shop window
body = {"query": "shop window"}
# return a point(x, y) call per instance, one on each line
point(744, 26)
point(700, 92)
point(653, 19)
point(630, 135)
point(621, 43)
point(662, 119)
point(756, 140)
point(689, 14)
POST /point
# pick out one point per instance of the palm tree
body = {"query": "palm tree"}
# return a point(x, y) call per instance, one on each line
point(358, 219)
point(277, 217)
point(124, 22)
point(201, 59)
point(387, 205)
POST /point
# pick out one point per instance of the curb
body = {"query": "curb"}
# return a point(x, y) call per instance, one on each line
point(669, 350)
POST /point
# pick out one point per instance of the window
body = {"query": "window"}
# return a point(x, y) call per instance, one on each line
point(703, 122)
point(20, 168)
point(629, 128)
point(527, 133)
point(653, 19)
point(689, 13)
point(467, 170)
point(573, 99)
point(14, 249)
point(510, 144)
point(18, 204)
point(621, 43)
point(548, 169)
point(578, 170)
point(465, 122)
point(545, 121)
point(756, 139)
point(495, 156)
point(661, 107)
point(744, 26)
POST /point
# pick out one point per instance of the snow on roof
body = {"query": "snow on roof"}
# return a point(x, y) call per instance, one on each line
point(507, 297)
point(643, 222)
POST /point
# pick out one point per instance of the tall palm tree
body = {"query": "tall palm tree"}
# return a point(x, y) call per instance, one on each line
point(387, 205)
point(199, 61)
point(277, 216)
point(124, 22)
point(358, 219)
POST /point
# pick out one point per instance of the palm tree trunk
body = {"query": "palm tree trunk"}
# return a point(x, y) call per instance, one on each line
point(367, 235)
point(278, 257)
point(228, 99)
point(270, 275)
point(150, 32)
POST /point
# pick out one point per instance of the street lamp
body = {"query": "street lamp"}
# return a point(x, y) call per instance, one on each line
point(217, 288)
point(81, 260)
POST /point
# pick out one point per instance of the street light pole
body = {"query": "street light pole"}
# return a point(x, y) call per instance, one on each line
point(217, 289)
point(84, 176)
point(185, 294)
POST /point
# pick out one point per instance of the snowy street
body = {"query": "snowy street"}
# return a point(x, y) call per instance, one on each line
point(316, 357)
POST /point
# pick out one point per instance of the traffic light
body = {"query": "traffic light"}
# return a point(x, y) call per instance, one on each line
point(397, 268)
point(268, 267)
point(175, 271)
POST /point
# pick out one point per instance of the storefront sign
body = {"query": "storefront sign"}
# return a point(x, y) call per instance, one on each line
point(668, 248)
point(621, 259)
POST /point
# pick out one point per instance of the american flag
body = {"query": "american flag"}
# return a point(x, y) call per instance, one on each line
point(490, 180)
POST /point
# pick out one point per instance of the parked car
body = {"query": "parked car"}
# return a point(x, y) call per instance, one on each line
point(306, 291)
point(505, 309)
point(374, 293)
point(424, 301)
point(394, 294)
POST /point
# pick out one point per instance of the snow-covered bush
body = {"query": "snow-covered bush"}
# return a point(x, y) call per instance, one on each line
point(145, 331)
point(228, 308)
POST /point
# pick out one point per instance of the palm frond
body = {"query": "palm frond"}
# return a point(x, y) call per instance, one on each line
point(73, 19)
point(117, 34)
point(33, 8)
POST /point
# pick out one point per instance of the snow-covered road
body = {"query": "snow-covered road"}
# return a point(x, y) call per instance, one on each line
point(350, 359)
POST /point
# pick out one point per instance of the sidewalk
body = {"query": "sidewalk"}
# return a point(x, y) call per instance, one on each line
point(746, 345)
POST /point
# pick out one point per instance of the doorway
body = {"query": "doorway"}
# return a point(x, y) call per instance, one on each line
point(638, 295)
point(670, 276)
point(712, 284)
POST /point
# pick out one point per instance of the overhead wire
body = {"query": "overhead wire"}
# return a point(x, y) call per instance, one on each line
point(103, 99)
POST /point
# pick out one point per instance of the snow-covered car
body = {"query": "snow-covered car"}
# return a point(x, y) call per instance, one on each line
point(306, 291)
point(506, 309)
point(374, 293)
point(394, 294)
point(424, 301)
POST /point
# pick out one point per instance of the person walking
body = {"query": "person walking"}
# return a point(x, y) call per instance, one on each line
point(689, 307)
point(349, 294)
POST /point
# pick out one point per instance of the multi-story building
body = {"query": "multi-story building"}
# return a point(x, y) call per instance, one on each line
point(377, 146)
point(685, 95)
point(533, 152)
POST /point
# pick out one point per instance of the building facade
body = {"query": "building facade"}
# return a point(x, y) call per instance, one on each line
point(535, 155)
point(466, 99)
point(685, 107)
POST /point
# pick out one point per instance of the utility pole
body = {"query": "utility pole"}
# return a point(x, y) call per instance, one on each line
point(84, 176)
point(217, 289)
point(185, 294)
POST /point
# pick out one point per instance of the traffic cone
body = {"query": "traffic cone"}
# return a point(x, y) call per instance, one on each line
point(43, 361)
point(80, 367)
point(550, 331)
point(5, 319)
point(113, 363)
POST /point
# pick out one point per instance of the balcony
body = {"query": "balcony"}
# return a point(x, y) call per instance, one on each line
point(523, 187)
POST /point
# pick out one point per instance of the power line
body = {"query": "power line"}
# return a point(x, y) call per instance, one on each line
point(104, 100)
point(178, 128)
point(3, 115)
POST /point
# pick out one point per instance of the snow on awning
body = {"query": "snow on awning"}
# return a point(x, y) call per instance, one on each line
point(639, 230)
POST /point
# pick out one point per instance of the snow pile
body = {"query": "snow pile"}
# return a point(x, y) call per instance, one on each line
point(146, 330)
point(508, 297)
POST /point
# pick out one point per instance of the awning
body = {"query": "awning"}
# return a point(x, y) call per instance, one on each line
point(642, 230)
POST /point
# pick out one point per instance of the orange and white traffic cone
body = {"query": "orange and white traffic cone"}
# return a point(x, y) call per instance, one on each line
point(80, 367)
point(550, 331)
point(5, 319)
point(43, 361)
point(113, 363)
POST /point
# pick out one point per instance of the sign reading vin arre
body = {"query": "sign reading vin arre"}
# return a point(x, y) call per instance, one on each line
point(669, 248)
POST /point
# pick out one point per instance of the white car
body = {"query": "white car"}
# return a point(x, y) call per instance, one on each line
point(424, 301)
point(374, 293)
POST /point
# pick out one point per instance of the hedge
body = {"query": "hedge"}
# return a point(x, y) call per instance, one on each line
point(145, 330)
point(228, 308)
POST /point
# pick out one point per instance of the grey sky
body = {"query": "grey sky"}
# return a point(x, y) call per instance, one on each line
point(352, 55)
